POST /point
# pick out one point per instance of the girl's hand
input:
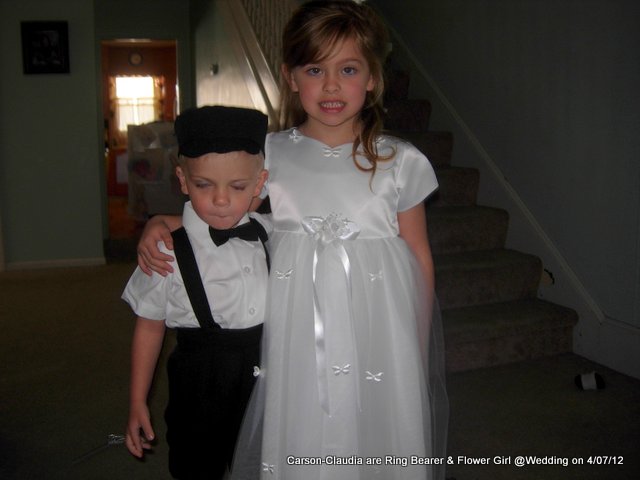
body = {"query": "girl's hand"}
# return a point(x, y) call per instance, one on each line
point(150, 258)
point(139, 420)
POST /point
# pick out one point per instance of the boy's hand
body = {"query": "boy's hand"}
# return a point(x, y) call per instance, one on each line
point(150, 258)
point(139, 420)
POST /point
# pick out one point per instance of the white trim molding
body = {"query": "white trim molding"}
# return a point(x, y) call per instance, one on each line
point(45, 264)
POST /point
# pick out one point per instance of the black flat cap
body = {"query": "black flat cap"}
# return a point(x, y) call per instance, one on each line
point(218, 129)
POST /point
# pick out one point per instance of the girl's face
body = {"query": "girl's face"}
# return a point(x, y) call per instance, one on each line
point(332, 93)
point(221, 186)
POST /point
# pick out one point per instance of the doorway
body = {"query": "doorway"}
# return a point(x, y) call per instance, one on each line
point(151, 65)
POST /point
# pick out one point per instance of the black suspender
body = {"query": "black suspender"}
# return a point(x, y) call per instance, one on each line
point(192, 281)
point(191, 275)
point(262, 234)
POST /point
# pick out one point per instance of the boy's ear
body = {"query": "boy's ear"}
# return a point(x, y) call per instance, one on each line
point(288, 76)
point(263, 175)
point(182, 179)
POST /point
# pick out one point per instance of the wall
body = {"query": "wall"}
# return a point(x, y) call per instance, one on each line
point(215, 43)
point(50, 183)
point(151, 19)
point(542, 97)
point(51, 146)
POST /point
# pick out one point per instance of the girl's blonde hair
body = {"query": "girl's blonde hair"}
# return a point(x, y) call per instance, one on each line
point(310, 36)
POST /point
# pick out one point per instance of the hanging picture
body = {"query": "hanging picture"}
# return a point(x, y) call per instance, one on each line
point(45, 47)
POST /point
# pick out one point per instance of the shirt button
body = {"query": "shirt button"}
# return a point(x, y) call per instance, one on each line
point(252, 311)
point(247, 269)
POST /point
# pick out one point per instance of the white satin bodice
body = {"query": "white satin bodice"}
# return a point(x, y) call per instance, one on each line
point(307, 178)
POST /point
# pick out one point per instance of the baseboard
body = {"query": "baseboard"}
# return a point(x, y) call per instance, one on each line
point(616, 348)
point(62, 263)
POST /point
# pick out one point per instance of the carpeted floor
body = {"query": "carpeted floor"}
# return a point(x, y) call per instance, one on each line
point(64, 356)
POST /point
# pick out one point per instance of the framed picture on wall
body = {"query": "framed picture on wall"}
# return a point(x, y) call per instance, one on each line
point(45, 47)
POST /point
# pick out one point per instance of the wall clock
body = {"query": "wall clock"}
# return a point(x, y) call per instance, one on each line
point(135, 58)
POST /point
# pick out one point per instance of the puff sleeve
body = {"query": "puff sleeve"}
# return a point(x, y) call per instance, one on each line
point(415, 179)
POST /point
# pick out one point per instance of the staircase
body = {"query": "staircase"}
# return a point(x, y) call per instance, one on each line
point(487, 293)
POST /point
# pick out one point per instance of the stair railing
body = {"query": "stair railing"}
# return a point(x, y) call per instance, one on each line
point(259, 24)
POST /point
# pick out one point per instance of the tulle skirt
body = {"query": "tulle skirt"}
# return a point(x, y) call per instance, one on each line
point(351, 383)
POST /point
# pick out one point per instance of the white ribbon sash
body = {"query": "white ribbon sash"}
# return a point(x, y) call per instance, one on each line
point(330, 231)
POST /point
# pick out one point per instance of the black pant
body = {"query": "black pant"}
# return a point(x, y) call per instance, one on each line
point(210, 381)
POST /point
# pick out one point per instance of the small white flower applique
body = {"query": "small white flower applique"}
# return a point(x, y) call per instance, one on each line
point(374, 377)
point(331, 152)
point(284, 275)
point(268, 468)
point(256, 371)
point(295, 136)
point(338, 370)
point(373, 276)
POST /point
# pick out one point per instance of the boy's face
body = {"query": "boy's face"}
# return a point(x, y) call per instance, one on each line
point(221, 186)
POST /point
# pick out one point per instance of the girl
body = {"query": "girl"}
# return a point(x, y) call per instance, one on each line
point(351, 376)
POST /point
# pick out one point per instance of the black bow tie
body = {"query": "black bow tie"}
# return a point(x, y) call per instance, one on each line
point(246, 231)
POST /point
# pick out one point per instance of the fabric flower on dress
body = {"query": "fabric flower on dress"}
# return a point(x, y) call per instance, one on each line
point(295, 135)
point(373, 276)
point(331, 152)
point(331, 228)
point(337, 369)
point(374, 376)
point(284, 275)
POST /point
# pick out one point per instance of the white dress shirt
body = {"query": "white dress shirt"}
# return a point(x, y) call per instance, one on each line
point(234, 276)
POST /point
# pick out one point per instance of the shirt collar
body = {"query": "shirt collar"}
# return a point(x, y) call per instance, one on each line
point(197, 228)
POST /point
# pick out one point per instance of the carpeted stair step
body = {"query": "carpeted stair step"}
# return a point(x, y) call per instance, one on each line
point(437, 146)
point(457, 186)
point(407, 115)
point(487, 293)
point(487, 276)
point(487, 335)
point(466, 228)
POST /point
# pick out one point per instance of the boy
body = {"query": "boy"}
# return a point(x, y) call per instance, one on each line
point(215, 299)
